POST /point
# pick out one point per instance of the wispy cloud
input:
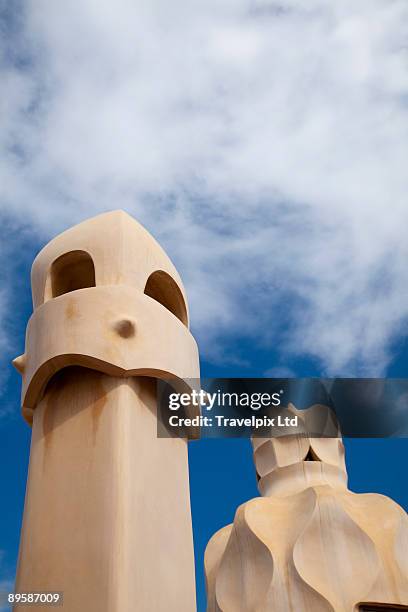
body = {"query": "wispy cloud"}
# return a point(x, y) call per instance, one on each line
point(265, 144)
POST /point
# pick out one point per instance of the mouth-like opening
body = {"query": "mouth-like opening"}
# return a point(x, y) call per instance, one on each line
point(311, 455)
point(381, 608)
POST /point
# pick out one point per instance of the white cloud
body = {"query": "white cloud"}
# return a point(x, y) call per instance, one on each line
point(265, 145)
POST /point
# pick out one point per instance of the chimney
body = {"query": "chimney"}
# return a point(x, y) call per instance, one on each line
point(107, 517)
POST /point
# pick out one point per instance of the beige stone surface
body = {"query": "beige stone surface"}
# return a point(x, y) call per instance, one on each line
point(107, 512)
point(122, 250)
point(308, 544)
point(65, 331)
point(107, 518)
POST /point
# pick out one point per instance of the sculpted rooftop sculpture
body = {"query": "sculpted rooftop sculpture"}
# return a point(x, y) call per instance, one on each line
point(308, 544)
point(107, 514)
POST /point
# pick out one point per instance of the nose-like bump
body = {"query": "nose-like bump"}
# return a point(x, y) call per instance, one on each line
point(19, 363)
point(125, 327)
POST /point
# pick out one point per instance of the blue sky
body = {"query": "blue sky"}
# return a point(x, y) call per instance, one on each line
point(264, 145)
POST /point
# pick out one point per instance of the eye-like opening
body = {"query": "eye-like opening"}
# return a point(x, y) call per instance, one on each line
point(311, 455)
point(161, 287)
point(72, 271)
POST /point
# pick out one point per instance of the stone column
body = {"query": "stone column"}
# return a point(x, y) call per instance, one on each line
point(107, 514)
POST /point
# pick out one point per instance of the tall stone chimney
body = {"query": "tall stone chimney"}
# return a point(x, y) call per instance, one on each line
point(107, 511)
